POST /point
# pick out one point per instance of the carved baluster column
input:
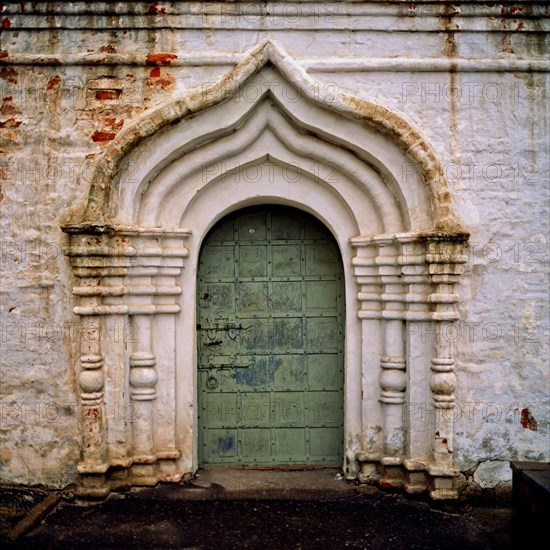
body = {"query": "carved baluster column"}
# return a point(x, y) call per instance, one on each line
point(126, 275)
point(445, 257)
point(443, 385)
point(85, 252)
point(392, 378)
point(143, 381)
point(94, 462)
point(418, 316)
point(153, 297)
point(367, 277)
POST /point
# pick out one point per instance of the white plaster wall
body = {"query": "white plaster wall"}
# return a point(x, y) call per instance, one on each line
point(493, 144)
point(493, 141)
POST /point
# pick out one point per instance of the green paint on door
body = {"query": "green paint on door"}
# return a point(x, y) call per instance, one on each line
point(270, 337)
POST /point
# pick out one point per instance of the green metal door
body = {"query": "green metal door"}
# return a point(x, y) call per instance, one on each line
point(270, 337)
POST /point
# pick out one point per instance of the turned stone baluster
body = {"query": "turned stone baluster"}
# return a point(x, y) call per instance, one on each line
point(392, 377)
point(94, 462)
point(370, 290)
point(143, 380)
point(445, 257)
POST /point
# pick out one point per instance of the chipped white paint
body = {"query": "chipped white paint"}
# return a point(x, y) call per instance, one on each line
point(155, 135)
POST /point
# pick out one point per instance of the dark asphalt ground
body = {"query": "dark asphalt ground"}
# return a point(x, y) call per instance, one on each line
point(161, 518)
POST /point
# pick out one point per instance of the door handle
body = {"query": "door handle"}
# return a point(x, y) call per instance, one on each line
point(227, 366)
point(212, 381)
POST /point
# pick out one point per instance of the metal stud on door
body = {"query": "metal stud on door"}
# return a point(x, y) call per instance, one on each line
point(270, 337)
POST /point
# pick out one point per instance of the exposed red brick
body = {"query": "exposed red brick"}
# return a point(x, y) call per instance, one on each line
point(3, 55)
point(155, 73)
point(9, 74)
point(103, 136)
point(107, 48)
point(8, 98)
point(54, 82)
point(92, 412)
point(107, 94)
point(161, 83)
point(10, 123)
point(386, 484)
point(113, 123)
point(6, 23)
point(528, 420)
point(9, 109)
point(160, 58)
point(155, 8)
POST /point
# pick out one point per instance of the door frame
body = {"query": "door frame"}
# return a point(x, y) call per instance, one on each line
point(342, 229)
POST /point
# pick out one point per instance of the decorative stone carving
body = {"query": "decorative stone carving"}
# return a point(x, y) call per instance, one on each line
point(110, 265)
point(128, 253)
point(427, 272)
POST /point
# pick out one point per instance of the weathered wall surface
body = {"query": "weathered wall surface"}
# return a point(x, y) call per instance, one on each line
point(471, 77)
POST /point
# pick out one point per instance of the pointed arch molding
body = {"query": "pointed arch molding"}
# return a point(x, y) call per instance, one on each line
point(266, 132)
point(104, 173)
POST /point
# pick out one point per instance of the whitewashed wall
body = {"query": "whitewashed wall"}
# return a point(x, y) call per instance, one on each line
point(470, 77)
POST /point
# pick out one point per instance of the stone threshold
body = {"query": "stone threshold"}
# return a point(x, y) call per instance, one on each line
point(258, 484)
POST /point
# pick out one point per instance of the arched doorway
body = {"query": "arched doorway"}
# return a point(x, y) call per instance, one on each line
point(361, 169)
point(270, 322)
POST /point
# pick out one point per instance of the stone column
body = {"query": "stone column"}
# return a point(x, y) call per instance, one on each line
point(93, 464)
point(370, 290)
point(143, 380)
point(127, 275)
point(445, 257)
point(443, 385)
point(417, 316)
point(392, 377)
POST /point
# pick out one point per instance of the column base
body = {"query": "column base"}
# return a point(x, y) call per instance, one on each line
point(93, 486)
point(368, 473)
point(168, 471)
point(414, 477)
point(125, 474)
point(392, 477)
point(443, 488)
point(144, 475)
point(416, 482)
point(119, 479)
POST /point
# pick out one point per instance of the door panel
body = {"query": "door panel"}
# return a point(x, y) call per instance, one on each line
point(270, 337)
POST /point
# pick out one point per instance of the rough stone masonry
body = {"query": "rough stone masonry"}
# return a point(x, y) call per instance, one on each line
point(417, 132)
